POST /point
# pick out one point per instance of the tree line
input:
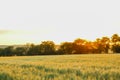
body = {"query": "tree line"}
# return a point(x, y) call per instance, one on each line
point(79, 46)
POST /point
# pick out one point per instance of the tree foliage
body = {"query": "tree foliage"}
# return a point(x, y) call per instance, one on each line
point(116, 43)
point(47, 48)
point(78, 46)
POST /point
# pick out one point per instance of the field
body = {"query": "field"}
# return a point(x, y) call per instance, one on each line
point(61, 67)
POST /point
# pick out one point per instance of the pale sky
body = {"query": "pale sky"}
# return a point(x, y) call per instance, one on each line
point(33, 21)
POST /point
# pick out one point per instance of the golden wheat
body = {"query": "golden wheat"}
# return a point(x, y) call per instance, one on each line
point(62, 67)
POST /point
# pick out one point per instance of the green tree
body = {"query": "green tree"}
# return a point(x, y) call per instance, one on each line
point(8, 51)
point(47, 48)
point(66, 48)
point(105, 44)
point(115, 43)
point(116, 48)
point(34, 50)
point(1, 52)
point(20, 51)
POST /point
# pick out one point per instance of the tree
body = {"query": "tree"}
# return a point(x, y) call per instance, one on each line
point(47, 48)
point(27, 47)
point(34, 50)
point(105, 44)
point(66, 48)
point(90, 47)
point(102, 44)
point(20, 51)
point(116, 48)
point(115, 38)
point(1, 52)
point(8, 51)
point(80, 41)
point(115, 43)
point(79, 46)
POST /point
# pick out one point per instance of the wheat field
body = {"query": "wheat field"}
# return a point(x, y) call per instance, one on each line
point(61, 67)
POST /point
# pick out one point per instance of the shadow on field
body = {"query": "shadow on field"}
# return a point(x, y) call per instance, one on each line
point(5, 76)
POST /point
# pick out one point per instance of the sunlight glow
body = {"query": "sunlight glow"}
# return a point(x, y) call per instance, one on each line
point(42, 21)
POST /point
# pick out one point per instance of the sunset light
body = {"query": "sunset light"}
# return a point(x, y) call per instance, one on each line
point(59, 39)
point(36, 23)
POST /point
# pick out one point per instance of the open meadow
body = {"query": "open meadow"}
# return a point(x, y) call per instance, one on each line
point(61, 67)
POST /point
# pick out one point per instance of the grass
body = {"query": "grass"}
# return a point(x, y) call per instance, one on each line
point(61, 67)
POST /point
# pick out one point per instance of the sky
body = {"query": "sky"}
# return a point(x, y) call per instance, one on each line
point(33, 21)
